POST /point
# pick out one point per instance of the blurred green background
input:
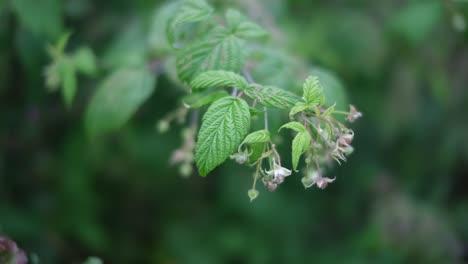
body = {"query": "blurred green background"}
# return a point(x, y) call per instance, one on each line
point(401, 198)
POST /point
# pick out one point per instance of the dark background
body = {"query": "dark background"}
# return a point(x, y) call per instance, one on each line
point(401, 197)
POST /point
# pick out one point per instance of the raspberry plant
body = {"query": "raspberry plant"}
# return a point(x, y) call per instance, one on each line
point(235, 75)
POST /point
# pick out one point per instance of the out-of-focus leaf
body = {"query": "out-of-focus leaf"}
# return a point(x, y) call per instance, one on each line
point(93, 260)
point(118, 98)
point(242, 27)
point(42, 17)
point(157, 39)
point(415, 21)
point(209, 52)
point(85, 61)
point(68, 77)
point(128, 49)
point(190, 11)
point(197, 100)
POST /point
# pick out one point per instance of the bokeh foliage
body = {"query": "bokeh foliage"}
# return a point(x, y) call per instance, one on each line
point(401, 198)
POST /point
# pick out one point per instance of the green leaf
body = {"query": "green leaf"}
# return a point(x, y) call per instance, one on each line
point(313, 91)
point(260, 136)
point(118, 98)
point(197, 100)
point(157, 38)
point(255, 111)
point(218, 79)
point(42, 17)
point(129, 48)
point(416, 20)
point(256, 151)
point(218, 50)
point(224, 125)
point(242, 27)
point(85, 61)
point(296, 126)
point(299, 107)
point(333, 89)
point(273, 97)
point(190, 11)
point(300, 145)
point(68, 77)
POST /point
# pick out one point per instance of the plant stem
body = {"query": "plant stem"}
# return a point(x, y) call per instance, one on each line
point(234, 92)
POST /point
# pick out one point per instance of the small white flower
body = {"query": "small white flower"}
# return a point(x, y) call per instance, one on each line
point(354, 114)
point(240, 157)
point(278, 173)
point(315, 177)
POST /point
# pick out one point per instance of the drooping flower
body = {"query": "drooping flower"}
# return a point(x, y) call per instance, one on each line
point(240, 157)
point(278, 173)
point(10, 253)
point(315, 177)
point(354, 114)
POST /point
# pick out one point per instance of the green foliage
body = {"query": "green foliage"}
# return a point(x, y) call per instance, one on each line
point(242, 27)
point(210, 79)
point(43, 17)
point(64, 68)
point(313, 92)
point(300, 144)
point(63, 197)
point(260, 136)
point(197, 100)
point(190, 11)
point(415, 21)
point(224, 125)
point(217, 50)
point(296, 126)
point(118, 98)
point(273, 97)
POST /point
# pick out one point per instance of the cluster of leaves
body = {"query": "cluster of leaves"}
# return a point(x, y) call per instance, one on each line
point(212, 53)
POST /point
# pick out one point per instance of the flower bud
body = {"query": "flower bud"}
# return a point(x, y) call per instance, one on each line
point(186, 170)
point(253, 194)
point(354, 114)
point(307, 182)
point(163, 126)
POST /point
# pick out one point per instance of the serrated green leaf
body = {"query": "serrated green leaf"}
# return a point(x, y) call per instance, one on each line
point(299, 107)
point(210, 79)
point(242, 27)
point(296, 126)
point(260, 136)
point(197, 100)
point(273, 97)
point(333, 89)
point(190, 11)
point(300, 145)
point(85, 61)
point(118, 98)
point(224, 125)
point(217, 50)
point(68, 77)
point(313, 91)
